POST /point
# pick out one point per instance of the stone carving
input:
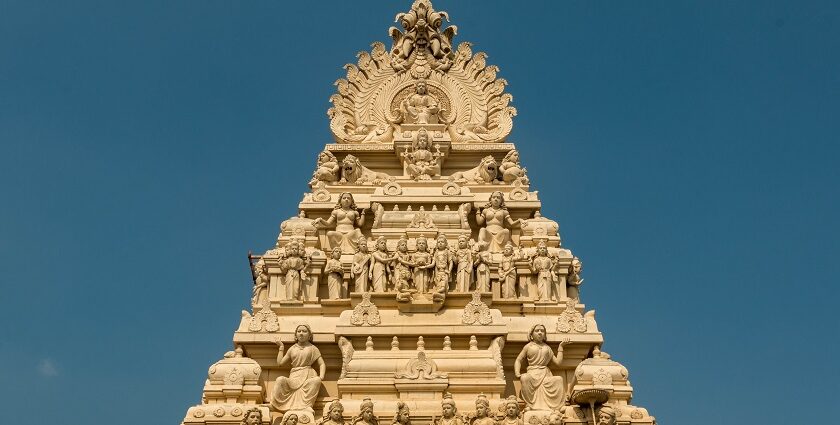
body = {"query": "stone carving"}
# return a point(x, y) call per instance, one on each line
point(543, 266)
point(463, 212)
point(571, 320)
point(424, 43)
point(347, 219)
point(365, 313)
point(260, 273)
point(420, 108)
point(465, 258)
point(395, 344)
point(264, 319)
point(253, 416)
point(360, 269)
point(353, 172)
point(451, 189)
point(299, 389)
point(379, 269)
point(606, 415)
point(574, 280)
point(422, 261)
point(378, 210)
point(421, 368)
point(482, 271)
point(403, 414)
point(512, 415)
point(493, 217)
point(540, 389)
point(422, 220)
point(365, 416)
point(507, 271)
point(293, 265)
point(442, 262)
point(346, 348)
point(333, 414)
point(326, 169)
point(448, 412)
point(476, 312)
point(402, 271)
point(510, 169)
point(392, 189)
point(336, 285)
point(420, 162)
point(487, 171)
point(496, 347)
point(482, 412)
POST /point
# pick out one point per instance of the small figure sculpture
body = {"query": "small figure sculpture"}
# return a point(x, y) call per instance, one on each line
point(606, 415)
point(333, 414)
point(543, 266)
point(290, 419)
point(511, 170)
point(402, 271)
point(443, 263)
point(422, 260)
point(482, 271)
point(379, 269)
point(252, 416)
point(421, 163)
point(540, 389)
point(555, 418)
point(298, 391)
point(403, 415)
point(361, 266)
point(482, 412)
point(420, 107)
point(574, 280)
point(464, 273)
point(326, 170)
point(347, 219)
point(507, 272)
point(493, 235)
point(353, 172)
point(511, 410)
point(424, 39)
point(293, 266)
point(335, 275)
point(365, 416)
point(486, 172)
point(448, 412)
point(260, 282)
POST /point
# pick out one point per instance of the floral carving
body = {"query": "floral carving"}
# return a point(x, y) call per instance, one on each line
point(264, 320)
point(571, 320)
point(476, 312)
point(420, 368)
point(365, 313)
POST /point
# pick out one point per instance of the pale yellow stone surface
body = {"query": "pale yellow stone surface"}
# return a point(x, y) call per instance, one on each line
point(419, 282)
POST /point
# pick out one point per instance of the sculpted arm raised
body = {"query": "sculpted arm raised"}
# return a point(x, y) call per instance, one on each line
point(282, 357)
point(361, 220)
point(559, 357)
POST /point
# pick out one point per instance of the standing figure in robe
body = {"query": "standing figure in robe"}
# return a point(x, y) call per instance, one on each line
point(540, 389)
point(335, 275)
point(442, 262)
point(493, 235)
point(543, 266)
point(348, 220)
point(298, 391)
point(379, 269)
point(422, 260)
point(361, 266)
point(465, 260)
point(482, 412)
point(507, 272)
point(402, 271)
point(293, 266)
point(482, 271)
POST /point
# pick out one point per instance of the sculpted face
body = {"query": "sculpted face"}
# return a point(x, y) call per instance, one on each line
point(253, 418)
point(512, 410)
point(363, 246)
point(480, 410)
point(336, 412)
point(367, 415)
point(514, 157)
point(605, 418)
point(543, 250)
point(420, 88)
point(508, 250)
point(441, 243)
point(462, 243)
point(405, 416)
point(402, 246)
point(302, 334)
point(336, 254)
point(422, 245)
point(448, 410)
point(496, 199)
point(382, 245)
point(538, 334)
point(346, 200)
point(292, 420)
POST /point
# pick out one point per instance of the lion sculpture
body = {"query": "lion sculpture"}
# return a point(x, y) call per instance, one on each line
point(353, 172)
point(487, 171)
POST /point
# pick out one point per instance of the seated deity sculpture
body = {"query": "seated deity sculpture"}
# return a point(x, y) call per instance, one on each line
point(365, 416)
point(420, 107)
point(293, 266)
point(333, 414)
point(422, 260)
point(380, 266)
point(512, 415)
point(482, 412)
point(511, 170)
point(540, 389)
point(335, 275)
point(403, 414)
point(448, 412)
point(252, 416)
point(361, 266)
point(326, 170)
point(465, 258)
point(493, 235)
point(299, 389)
point(347, 219)
point(421, 163)
point(543, 266)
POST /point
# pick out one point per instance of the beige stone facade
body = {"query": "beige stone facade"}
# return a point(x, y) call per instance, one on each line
point(419, 283)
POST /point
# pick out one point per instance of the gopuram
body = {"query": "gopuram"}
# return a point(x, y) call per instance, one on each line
point(419, 282)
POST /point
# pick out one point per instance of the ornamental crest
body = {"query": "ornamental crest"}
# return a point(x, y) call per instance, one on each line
point(420, 368)
point(264, 320)
point(365, 313)
point(476, 312)
point(571, 320)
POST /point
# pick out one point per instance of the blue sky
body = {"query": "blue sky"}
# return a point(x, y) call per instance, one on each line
point(687, 149)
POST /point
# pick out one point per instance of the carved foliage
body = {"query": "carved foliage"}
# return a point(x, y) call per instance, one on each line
point(571, 320)
point(264, 320)
point(420, 368)
point(365, 313)
point(476, 312)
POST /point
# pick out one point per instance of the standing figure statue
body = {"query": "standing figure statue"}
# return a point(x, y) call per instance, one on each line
point(293, 265)
point(348, 220)
point(540, 389)
point(493, 235)
point(335, 275)
point(511, 170)
point(443, 261)
point(511, 411)
point(574, 280)
point(380, 266)
point(422, 260)
point(448, 412)
point(326, 170)
point(365, 416)
point(482, 412)
point(403, 415)
point(507, 272)
point(402, 271)
point(333, 414)
point(420, 107)
point(543, 266)
point(360, 269)
point(298, 391)
point(261, 280)
point(482, 271)
point(464, 257)
point(421, 163)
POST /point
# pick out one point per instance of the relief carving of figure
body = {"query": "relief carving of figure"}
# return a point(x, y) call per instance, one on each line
point(543, 266)
point(507, 271)
point(423, 38)
point(511, 411)
point(403, 415)
point(293, 266)
point(443, 262)
point(298, 391)
point(360, 269)
point(290, 419)
point(402, 270)
point(482, 271)
point(380, 266)
point(486, 172)
point(261, 280)
point(421, 163)
point(540, 389)
point(422, 260)
point(365, 416)
point(335, 275)
point(353, 172)
point(326, 170)
point(511, 170)
point(347, 219)
point(606, 415)
point(482, 412)
point(333, 414)
point(252, 416)
point(574, 280)
point(493, 235)
point(448, 412)
point(465, 260)
point(420, 107)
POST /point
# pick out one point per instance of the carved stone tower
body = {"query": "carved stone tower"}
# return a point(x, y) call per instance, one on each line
point(419, 274)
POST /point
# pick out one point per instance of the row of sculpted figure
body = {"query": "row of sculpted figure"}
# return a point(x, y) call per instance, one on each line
point(540, 389)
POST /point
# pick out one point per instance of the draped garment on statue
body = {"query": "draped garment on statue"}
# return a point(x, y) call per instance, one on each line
point(540, 389)
point(299, 390)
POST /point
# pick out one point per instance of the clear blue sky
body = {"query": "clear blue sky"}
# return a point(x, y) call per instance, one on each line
point(688, 149)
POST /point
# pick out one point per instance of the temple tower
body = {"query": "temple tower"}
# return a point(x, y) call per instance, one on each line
point(419, 281)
